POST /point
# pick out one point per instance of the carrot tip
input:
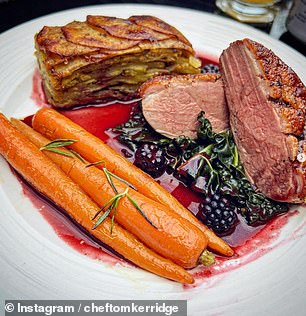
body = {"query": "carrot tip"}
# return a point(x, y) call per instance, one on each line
point(229, 252)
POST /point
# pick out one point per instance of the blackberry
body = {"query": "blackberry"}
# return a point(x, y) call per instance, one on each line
point(210, 68)
point(151, 159)
point(218, 213)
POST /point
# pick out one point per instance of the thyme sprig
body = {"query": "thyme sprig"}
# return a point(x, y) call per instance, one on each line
point(54, 146)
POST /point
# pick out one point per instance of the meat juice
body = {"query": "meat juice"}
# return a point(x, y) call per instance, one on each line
point(98, 120)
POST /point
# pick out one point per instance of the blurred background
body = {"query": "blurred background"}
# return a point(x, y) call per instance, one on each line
point(14, 12)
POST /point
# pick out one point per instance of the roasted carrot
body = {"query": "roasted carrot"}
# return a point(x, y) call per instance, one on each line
point(54, 125)
point(171, 236)
point(48, 179)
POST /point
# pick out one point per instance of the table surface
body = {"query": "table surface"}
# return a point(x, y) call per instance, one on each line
point(14, 12)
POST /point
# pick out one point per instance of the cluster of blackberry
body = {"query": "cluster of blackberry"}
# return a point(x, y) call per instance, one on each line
point(151, 159)
point(219, 211)
point(219, 214)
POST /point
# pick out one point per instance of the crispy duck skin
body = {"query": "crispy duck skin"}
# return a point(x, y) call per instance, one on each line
point(107, 58)
point(267, 105)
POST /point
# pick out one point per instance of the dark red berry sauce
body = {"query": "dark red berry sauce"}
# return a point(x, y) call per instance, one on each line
point(98, 120)
point(38, 94)
point(67, 230)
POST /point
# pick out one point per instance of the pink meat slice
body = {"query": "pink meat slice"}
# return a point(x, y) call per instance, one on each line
point(171, 104)
point(267, 105)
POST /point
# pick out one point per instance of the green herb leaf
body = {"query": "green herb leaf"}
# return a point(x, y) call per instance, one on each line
point(58, 151)
point(57, 143)
point(114, 213)
point(113, 202)
point(94, 163)
point(110, 174)
point(220, 170)
point(236, 157)
point(77, 155)
point(102, 218)
point(205, 131)
point(109, 179)
point(139, 209)
point(63, 142)
point(109, 202)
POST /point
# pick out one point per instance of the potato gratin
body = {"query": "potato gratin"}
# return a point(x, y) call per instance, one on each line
point(108, 58)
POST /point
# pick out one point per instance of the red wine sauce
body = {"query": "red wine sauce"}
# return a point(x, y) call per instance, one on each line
point(38, 94)
point(67, 230)
point(97, 119)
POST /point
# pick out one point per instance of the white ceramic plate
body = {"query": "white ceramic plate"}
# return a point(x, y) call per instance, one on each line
point(36, 263)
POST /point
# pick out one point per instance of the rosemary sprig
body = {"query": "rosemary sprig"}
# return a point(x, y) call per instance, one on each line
point(77, 155)
point(58, 151)
point(102, 218)
point(94, 163)
point(57, 143)
point(109, 174)
point(62, 142)
point(52, 146)
point(115, 211)
point(139, 210)
point(110, 181)
point(112, 204)
point(109, 202)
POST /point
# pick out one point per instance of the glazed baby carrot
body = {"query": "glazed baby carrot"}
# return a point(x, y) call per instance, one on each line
point(48, 179)
point(171, 236)
point(54, 125)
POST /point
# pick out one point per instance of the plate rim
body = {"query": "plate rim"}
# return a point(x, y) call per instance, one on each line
point(191, 11)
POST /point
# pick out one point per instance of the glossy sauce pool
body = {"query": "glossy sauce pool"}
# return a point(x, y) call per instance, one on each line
point(98, 120)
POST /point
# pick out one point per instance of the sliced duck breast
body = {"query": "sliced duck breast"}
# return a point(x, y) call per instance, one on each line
point(171, 104)
point(267, 105)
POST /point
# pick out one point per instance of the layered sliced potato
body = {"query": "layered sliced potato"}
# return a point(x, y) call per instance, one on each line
point(107, 58)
